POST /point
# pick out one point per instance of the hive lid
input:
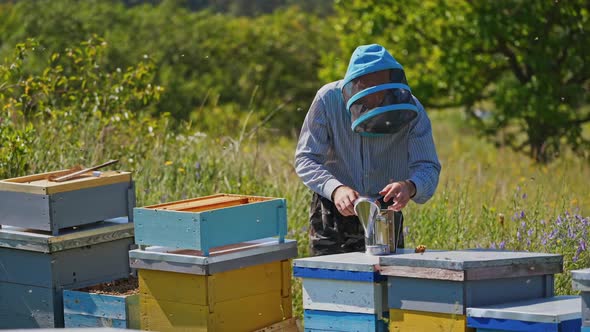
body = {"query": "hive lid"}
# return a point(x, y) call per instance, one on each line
point(89, 234)
point(220, 258)
point(544, 310)
point(39, 184)
point(471, 264)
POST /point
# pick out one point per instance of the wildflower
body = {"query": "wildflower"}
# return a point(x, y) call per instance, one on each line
point(168, 163)
point(502, 245)
point(493, 245)
point(180, 170)
point(522, 214)
point(582, 246)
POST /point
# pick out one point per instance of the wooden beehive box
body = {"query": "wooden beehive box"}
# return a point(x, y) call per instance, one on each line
point(36, 267)
point(450, 281)
point(581, 282)
point(112, 304)
point(242, 287)
point(343, 292)
point(554, 314)
point(211, 221)
point(37, 203)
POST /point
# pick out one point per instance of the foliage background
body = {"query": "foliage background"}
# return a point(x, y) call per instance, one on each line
point(202, 97)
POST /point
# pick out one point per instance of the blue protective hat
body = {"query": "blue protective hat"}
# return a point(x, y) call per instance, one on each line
point(381, 103)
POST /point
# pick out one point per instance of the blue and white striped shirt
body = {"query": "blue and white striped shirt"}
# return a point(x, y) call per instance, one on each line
point(330, 154)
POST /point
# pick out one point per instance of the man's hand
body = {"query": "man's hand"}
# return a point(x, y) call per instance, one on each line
point(400, 192)
point(344, 197)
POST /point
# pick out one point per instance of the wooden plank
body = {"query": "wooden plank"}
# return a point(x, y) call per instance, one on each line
point(26, 267)
point(317, 320)
point(422, 273)
point(34, 240)
point(25, 210)
point(541, 310)
point(441, 296)
point(84, 321)
point(287, 306)
point(513, 271)
point(110, 232)
point(244, 314)
point(250, 253)
point(241, 283)
point(132, 309)
point(91, 265)
point(287, 276)
point(409, 320)
point(248, 313)
point(469, 259)
point(167, 228)
point(89, 205)
point(173, 287)
point(211, 290)
point(38, 184)
point(230, 203)
point(160, 315)
point(585, 309)
point(203, 201)
point(96, 305)
point(25, 306)
point(342, 295)
point(288, 325)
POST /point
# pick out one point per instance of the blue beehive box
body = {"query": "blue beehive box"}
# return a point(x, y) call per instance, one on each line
point(450, 281)
point(581, 282)
point(36, 267)
point(212, 221)
point(343, 292)
point(554, 314)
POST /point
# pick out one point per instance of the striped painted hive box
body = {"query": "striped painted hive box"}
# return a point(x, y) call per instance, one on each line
point(581, 282)
point(343, 292)
point(211, 221)
point(242, 287)
point(36, 267)
point(553, 314)
point(446, 283)
point(34, 202)
point(110, 304)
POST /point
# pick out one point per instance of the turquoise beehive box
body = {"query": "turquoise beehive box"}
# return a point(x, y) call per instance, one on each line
point(211, 221)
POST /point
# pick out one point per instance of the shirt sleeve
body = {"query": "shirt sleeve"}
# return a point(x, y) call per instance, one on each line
point(313, 148)
point(423, 160)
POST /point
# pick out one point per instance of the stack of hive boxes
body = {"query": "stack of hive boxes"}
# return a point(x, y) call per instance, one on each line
point(343, 292)
point(60, 235)
point(214, 264)
point(581, 282)
point(432, 291)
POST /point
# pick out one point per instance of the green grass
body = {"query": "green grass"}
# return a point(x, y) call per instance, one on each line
point(485, 196)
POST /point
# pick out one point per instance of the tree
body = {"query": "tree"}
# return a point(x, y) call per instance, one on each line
point(529, 60)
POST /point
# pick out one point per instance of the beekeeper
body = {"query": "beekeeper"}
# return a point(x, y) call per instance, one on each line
point(366, 135)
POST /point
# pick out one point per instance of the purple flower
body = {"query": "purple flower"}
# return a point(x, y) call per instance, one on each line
point(502, 245)
point(197, 165)
point(544, 240)
point(524, 196)
point(582, 246)
point(553, 234)
point(521, 214)
point(523, 224)
point(558, 221)
point(518, 235)
point(530, 232)
point(493, 245)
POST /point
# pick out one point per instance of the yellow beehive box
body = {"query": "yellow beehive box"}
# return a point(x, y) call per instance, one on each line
point(409, 320)
point(239, 291)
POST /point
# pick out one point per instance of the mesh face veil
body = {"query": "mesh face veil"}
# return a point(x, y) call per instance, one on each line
point(376, 93)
